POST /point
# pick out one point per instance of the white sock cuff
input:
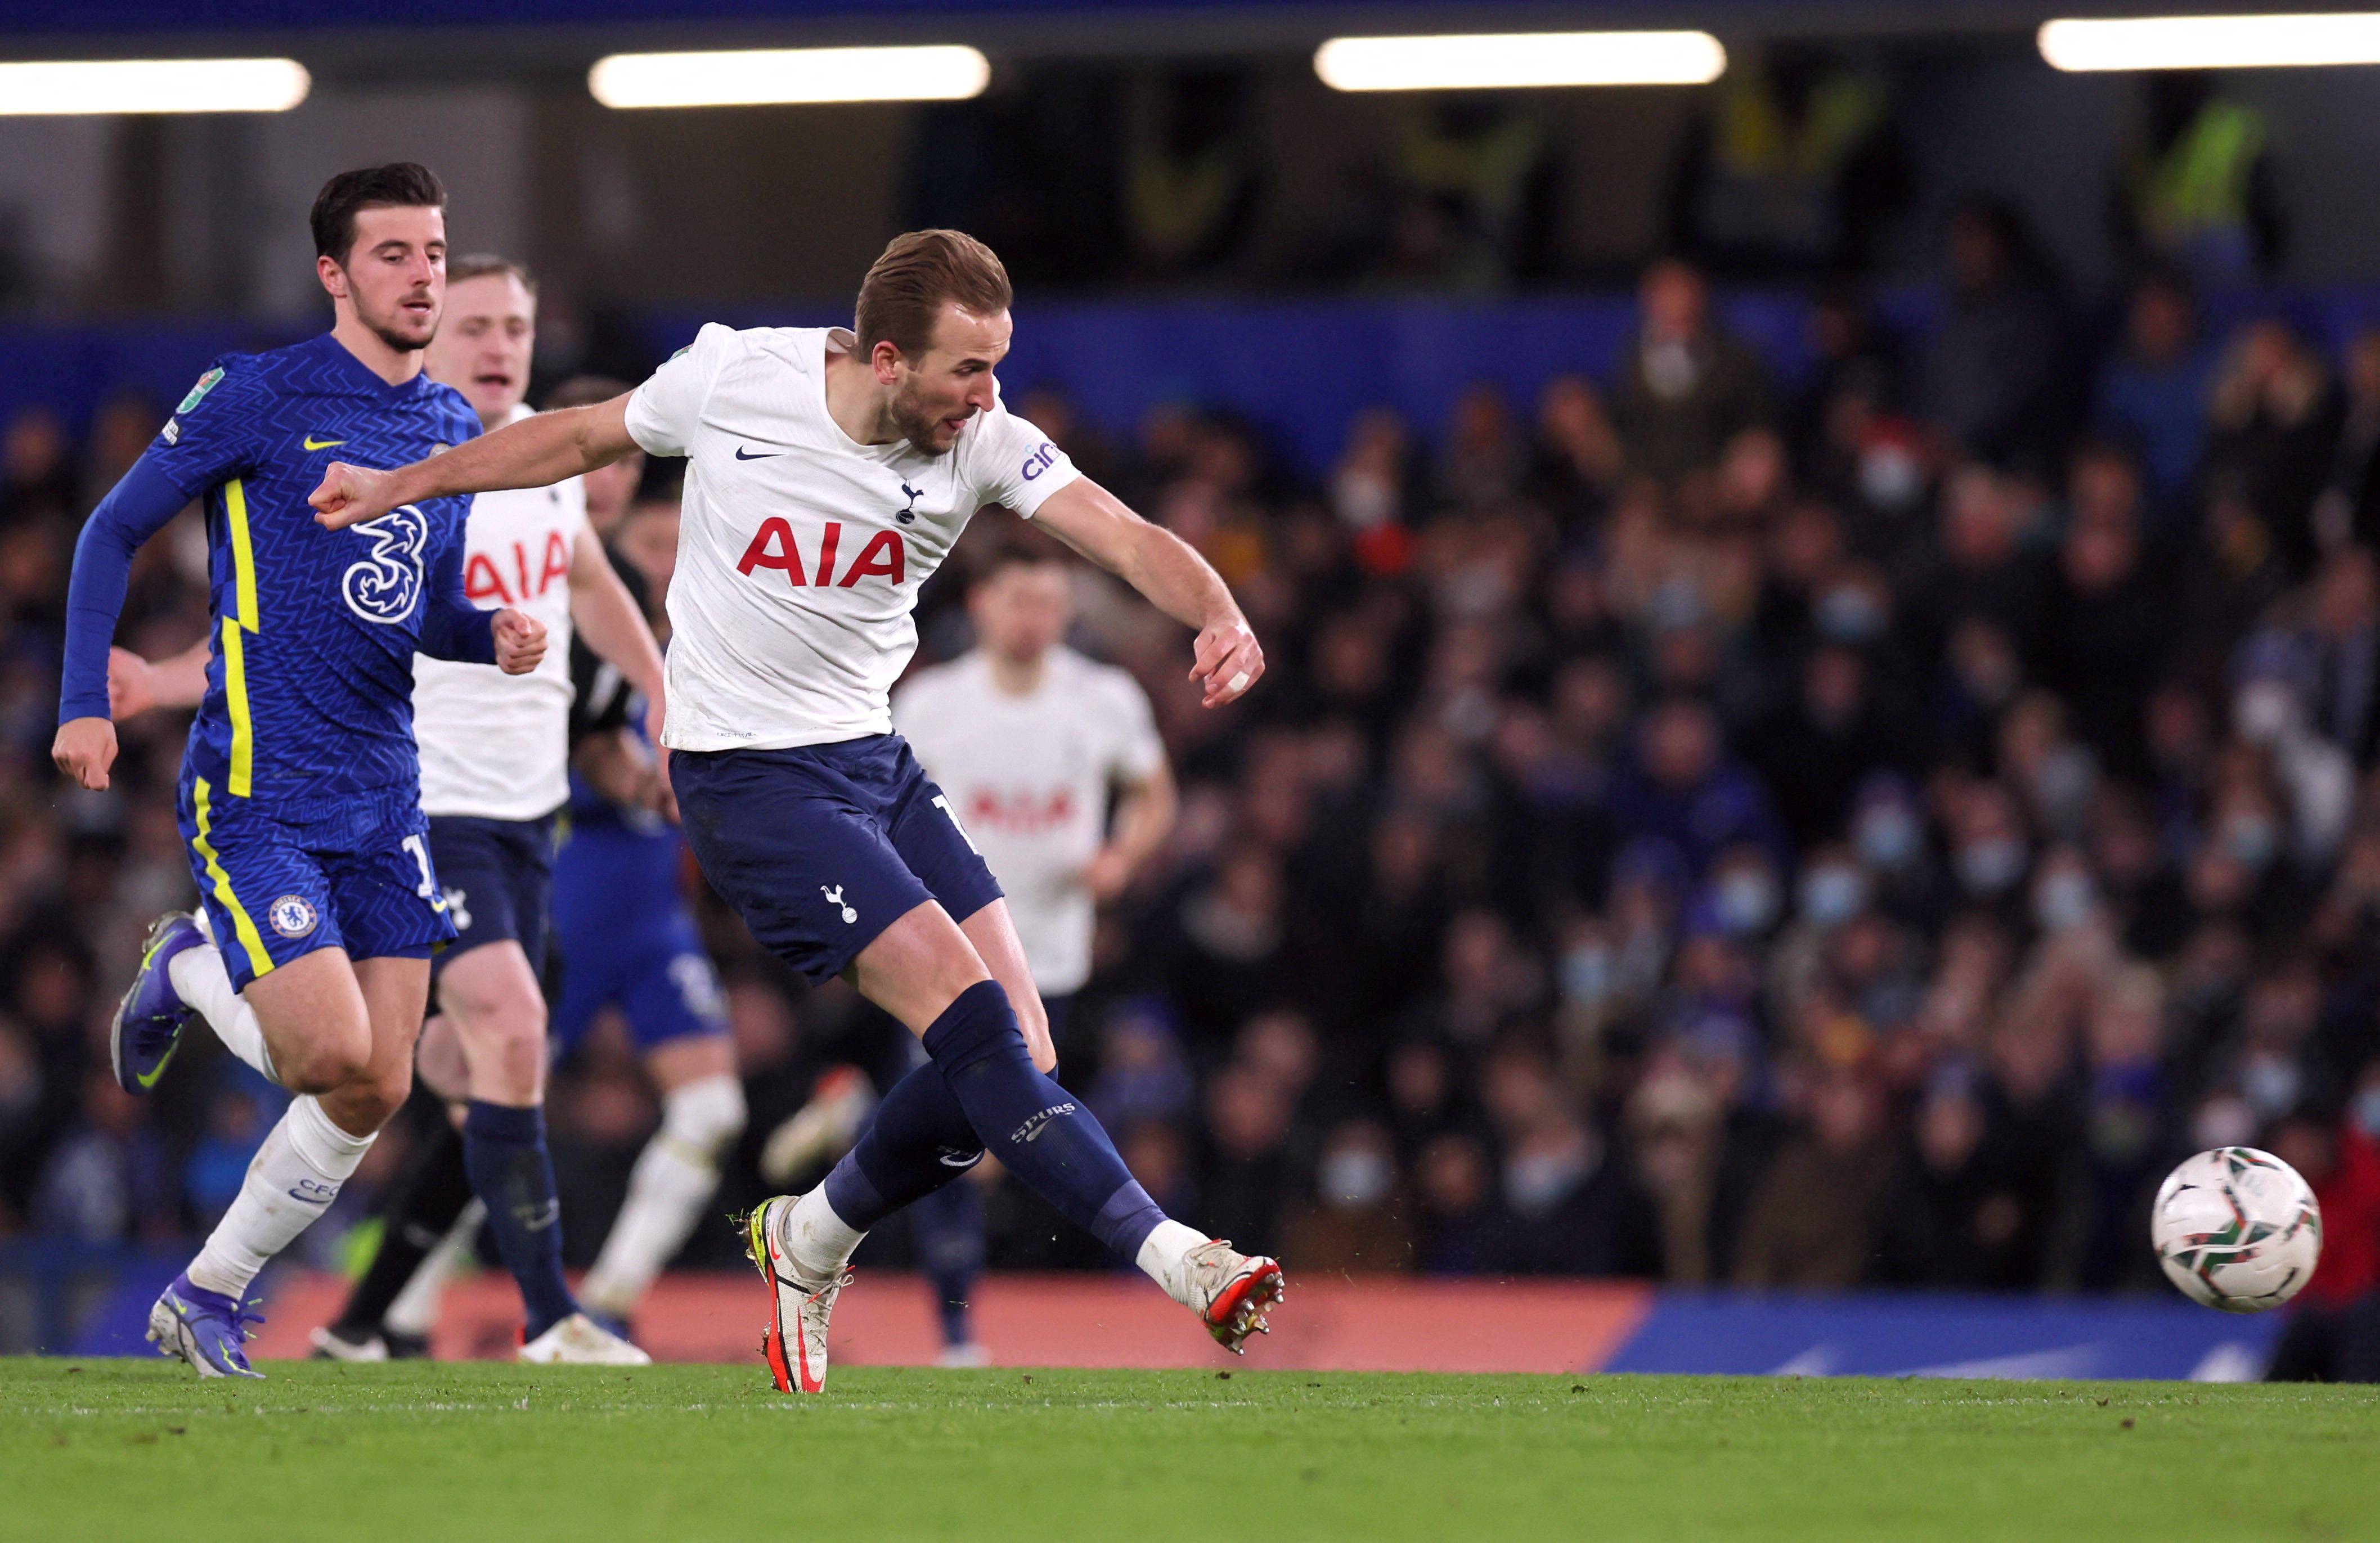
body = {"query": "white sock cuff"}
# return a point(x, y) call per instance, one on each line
point(319, 1143)
point(703, 1116)
point(1164, 1252)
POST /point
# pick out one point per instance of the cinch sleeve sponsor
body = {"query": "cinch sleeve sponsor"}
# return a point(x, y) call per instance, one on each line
point(1012, 464)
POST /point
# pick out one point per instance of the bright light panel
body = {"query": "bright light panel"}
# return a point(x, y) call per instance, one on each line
point(1508, 59)
point(43, 87)
point(2213, 41)
point(753, 75)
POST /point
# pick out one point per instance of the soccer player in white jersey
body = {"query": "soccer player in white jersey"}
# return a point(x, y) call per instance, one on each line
point(493, 754)
point(1028, 740)
point(829, 473)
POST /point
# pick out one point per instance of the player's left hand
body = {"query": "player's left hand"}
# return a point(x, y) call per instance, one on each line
point(1229, 659)
point(1106, 874)
point(131, 683)
point(664, 796)
point(520, 642)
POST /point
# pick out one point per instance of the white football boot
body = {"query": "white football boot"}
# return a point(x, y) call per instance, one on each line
point(1231, 1293)
point(794, 1341)
point(580, 1340)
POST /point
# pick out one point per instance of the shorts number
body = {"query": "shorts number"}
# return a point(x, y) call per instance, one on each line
point(427, 889)
point(943, 802)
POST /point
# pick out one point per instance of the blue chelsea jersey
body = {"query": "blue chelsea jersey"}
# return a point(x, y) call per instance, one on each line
point(309, 694)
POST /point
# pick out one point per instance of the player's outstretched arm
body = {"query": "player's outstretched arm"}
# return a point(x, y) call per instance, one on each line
point(1162, 567)
point(535, 452)
point(135, 509)
point(136, 684)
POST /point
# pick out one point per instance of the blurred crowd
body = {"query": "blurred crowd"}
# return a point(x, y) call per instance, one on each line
point(1698, 826)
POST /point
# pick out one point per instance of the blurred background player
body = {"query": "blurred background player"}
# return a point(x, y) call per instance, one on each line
point(494, 777)
point(1028, 740)
point(301, 790)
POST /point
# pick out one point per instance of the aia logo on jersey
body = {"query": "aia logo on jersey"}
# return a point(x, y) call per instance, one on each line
point(384, 586)
point(1023, 810)
point(773, 547)
point(485, 577)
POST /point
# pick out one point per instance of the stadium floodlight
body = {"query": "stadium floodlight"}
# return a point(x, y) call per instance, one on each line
point(754, 77)
point(2212, 42)
point(1481, 60)
point(31, 88)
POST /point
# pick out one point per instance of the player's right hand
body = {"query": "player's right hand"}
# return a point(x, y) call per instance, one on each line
point(352, 494)
point(85, 749)
point(520, 641)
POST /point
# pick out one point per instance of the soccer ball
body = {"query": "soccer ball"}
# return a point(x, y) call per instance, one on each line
point(2236, 1229)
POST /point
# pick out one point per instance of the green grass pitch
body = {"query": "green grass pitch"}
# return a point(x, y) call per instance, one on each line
point(130, 1450)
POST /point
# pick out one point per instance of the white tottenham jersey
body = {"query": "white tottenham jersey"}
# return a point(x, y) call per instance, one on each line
point(494, 744)
point(799, 550)
point(1029, 777)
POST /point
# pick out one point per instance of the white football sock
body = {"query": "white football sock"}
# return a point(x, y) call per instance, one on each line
point(675, 1177)
point(296, 1176)
point(416, 1308)
point(1164, 1257)
point(200, 980)
point(816, 1241)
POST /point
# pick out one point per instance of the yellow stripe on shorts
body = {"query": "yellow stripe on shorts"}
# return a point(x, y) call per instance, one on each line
point(259, 961)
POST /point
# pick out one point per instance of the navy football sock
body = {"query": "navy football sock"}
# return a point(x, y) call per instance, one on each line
point(503, 1149)
point(917, 1141)
point(1040, 1134)
point(949, 1230)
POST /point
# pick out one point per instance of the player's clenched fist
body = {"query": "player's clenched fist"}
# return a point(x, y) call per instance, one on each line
point(1227, 659)
point(85, 749)
point(520, 642)
point(352, 494)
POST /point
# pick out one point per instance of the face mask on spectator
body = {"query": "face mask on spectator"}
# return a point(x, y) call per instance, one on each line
point(1989, 867)
point(1534, 1186)
point(2064, 900)
point(1887, 836)
point(1890, 474)
point(1848, 614)
point(1747, 901)
point(1586, 974)
point(2270, 1083)
point(1671, 370)
point(2254, 840)
point(1356, 1180)
point(2223, 1121)
point(2365, 1112)
point(1832, 894)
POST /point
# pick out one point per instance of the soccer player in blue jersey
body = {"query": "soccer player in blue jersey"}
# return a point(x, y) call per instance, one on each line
point(299, 791)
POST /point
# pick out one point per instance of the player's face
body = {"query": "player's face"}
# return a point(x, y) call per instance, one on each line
point(1022, 612)
point(934, 395)
point(394, 277)
point(485, 337)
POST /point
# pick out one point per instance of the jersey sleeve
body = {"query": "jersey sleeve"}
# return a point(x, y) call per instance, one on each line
point(1135, 749)
point(1012, 464)
point(215, 433)
point(663, 412)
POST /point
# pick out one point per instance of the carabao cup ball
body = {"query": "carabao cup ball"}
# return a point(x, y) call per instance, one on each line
point(2236, 1229)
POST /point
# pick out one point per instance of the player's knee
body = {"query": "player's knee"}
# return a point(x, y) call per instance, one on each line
point(704, 1117)
point(325, 1062)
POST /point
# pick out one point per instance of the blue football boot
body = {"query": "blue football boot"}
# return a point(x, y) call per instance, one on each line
point(150, 1018)
point(207, 1329)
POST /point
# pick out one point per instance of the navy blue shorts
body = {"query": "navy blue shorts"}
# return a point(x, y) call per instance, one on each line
point(821, 847)
point(498, 879)
point(359, 879)
point(627, 940)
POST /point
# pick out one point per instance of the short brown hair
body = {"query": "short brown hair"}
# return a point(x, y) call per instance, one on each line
point(398, 185)
point(905, 289)
point(479, 265)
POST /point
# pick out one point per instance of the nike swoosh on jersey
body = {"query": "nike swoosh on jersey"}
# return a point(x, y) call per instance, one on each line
point(763, 456)
point(313, 444)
